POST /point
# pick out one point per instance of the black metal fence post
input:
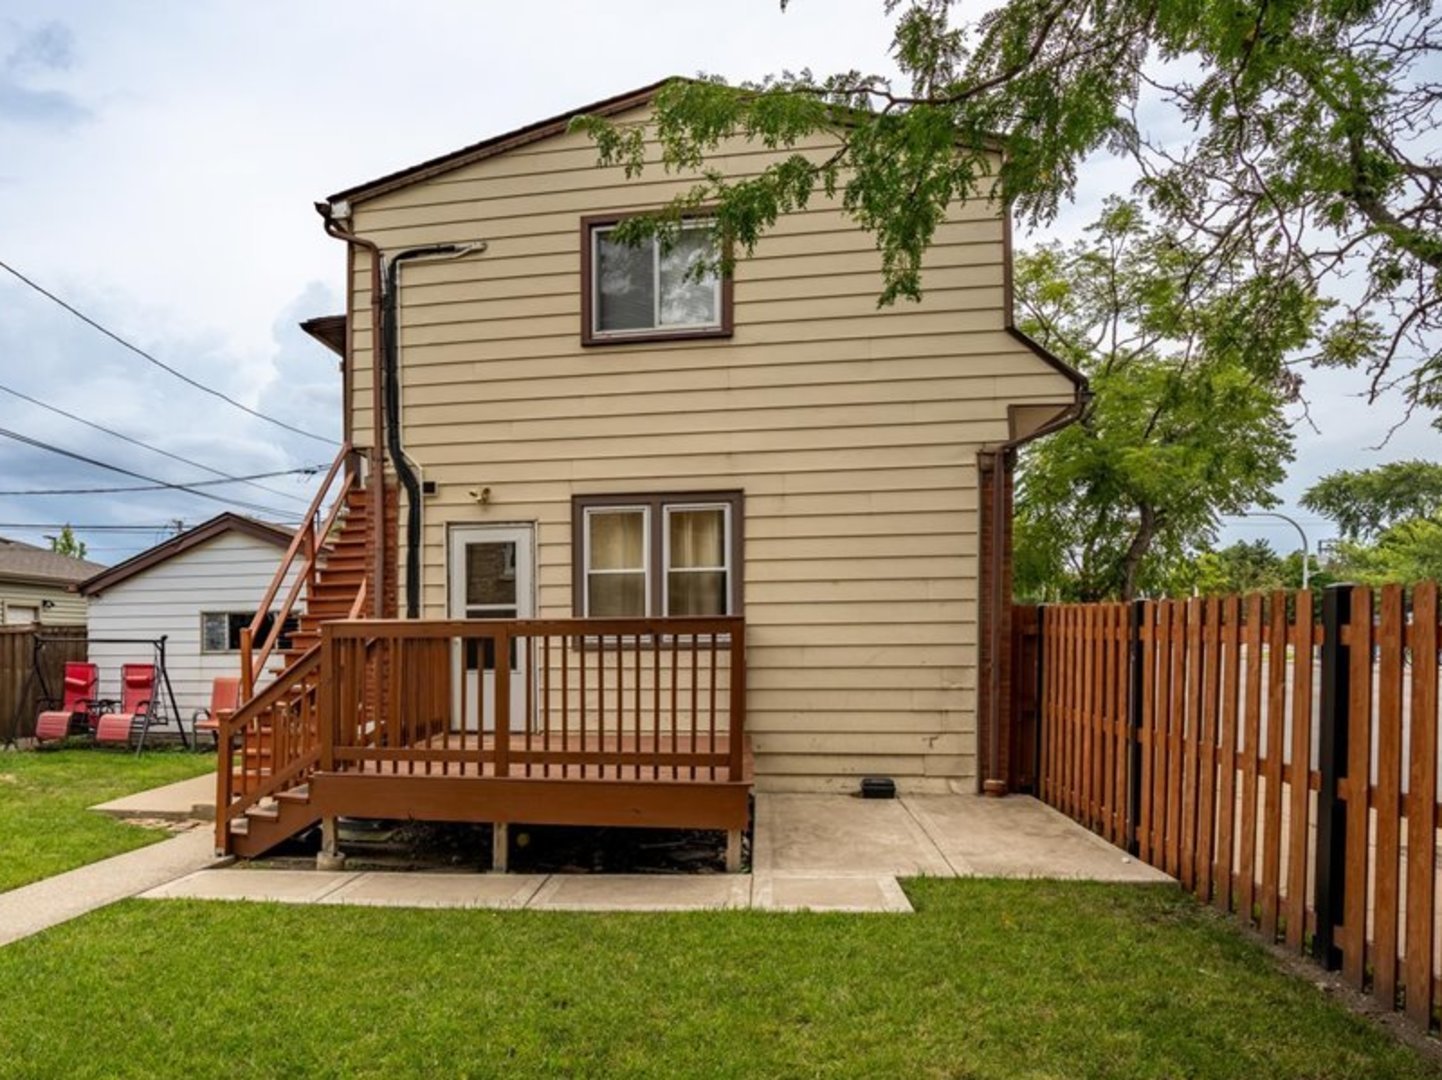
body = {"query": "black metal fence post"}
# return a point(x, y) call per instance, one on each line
point(1135, 660)
point(1330, 887)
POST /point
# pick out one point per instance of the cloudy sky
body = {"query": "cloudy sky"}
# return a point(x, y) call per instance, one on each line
point(158, 163)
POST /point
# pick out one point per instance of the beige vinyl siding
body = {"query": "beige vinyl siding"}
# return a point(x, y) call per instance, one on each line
point(852, 430)
point(67, 607)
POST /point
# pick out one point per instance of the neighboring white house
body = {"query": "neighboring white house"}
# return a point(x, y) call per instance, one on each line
point(198, 589)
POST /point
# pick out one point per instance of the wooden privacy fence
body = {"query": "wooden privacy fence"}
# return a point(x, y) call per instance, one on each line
point(1281, 762)
point(20, 691)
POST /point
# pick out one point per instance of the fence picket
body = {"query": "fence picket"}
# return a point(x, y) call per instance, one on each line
point(1231, 653)
point(1422, 806)
point(1359, 769)
point(1388, 795)
point(1299, 806)
point(1209, 772)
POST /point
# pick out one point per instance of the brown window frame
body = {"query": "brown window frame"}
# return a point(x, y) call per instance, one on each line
point(656, 503)
point(589, 224)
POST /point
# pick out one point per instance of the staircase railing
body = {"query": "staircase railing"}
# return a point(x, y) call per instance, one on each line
point(271, 743)
point(306, 545)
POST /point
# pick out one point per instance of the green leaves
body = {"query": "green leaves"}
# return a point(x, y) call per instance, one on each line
point(1295, 137)
point(1366, 502)
point(1186, 423)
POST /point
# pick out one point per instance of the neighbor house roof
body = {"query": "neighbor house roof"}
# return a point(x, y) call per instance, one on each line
point(26, 562)
point(497, 144)
point(176, 545)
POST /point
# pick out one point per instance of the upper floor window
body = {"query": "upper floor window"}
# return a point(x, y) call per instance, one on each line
point(646, 293)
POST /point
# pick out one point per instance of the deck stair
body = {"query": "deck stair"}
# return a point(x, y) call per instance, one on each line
point(274, 733)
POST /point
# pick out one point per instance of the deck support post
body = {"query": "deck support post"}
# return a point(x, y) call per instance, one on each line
point(500, 847)
point(733, 851)
point(330, 856)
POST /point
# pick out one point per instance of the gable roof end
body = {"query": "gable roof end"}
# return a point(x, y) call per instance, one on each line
point(176, 545)
point(498, 144)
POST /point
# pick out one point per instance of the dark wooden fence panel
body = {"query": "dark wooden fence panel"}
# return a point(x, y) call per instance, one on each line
point(1277, 764)
point(20, 693)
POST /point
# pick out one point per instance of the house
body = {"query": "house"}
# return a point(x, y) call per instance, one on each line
point(38, 586)
point(198, 590)
point(728, 532)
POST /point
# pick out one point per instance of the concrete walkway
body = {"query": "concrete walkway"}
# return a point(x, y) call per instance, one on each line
point(543, 892)
point(934, 835)
point(812, 852)
point(192, 799)
point(32, 908)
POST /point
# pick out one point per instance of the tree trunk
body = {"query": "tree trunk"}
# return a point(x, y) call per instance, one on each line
point(1137, 550)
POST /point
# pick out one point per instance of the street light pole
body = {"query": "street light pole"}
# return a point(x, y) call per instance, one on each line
point(1306, 555)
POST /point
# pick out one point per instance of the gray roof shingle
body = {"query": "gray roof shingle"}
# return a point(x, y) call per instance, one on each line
point(31, 563)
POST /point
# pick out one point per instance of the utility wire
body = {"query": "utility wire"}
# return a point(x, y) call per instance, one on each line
point(28, 441)
point(138, 351)
point(35, 525)
point(144, 445)
point(309, 470)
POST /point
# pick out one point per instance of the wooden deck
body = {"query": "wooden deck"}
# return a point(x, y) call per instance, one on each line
point(611, 722)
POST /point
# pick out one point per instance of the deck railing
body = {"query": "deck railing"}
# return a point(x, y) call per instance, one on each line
point(588, 699)
point(271, 743)
point(560, 698)
point(306, 546)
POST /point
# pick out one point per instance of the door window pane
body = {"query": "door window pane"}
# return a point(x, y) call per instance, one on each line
point(491, 572)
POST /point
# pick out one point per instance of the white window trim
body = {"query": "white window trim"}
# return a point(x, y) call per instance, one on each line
point(727, 569)
point(645, 569)
point(657, 326)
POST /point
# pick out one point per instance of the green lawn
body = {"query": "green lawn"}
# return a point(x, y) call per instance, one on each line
point(45, 826)
point(988, 979)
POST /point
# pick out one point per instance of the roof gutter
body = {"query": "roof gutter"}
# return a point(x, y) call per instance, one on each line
point(994, 782)
point(332, 214)
point(390, 354)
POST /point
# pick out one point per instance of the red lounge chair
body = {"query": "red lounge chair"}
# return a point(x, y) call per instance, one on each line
point(224, 700)
point(76, 705)
point(137, 689)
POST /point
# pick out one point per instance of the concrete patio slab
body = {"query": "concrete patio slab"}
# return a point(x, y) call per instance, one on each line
point(282, 886)
point(839, 834)
point(182, 800)
point(32, 908)
point(392, 889)
point(642, 892)
point(1020, 837)
point(828, 892)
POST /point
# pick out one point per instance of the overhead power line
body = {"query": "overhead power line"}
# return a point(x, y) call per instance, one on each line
point(38, 444)
point(164, 526)
point(138, 351)
point(309, 470)
point(144, 445)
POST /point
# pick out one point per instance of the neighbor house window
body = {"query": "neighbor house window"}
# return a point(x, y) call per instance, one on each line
point(647, 555)
point(644, 292)
point(220, 630)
